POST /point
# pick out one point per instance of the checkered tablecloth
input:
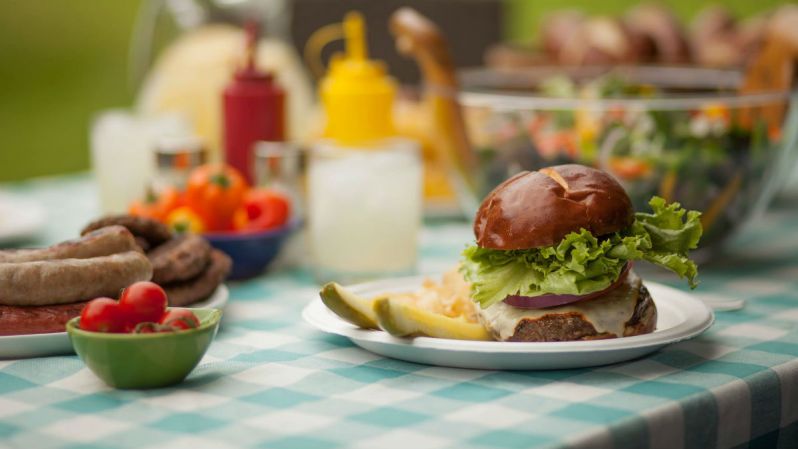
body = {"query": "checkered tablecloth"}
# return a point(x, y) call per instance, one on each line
point(270, 381)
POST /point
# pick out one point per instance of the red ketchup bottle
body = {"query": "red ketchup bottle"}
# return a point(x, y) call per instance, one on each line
point(254, 109)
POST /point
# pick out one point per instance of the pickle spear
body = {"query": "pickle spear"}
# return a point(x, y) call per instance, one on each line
point(401, 319)
point(352, 308)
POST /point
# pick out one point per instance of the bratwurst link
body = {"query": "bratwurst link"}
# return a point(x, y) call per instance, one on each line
point(152, 231)
point(70, 280)
point(101, 242)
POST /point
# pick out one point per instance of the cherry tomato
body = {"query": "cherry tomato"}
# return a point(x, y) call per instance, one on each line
point(214, 192)
point(143, 302)
point(262, 209)
point(103, 315)
point(180, 319)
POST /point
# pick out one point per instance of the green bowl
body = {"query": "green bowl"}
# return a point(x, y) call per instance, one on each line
point(139, 361)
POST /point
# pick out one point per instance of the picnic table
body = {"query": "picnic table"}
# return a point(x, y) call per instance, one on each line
point(271, 381)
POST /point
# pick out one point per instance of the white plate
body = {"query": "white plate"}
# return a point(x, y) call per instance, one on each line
point(681, 316)
point(42, 345)
point(20, 219)
point(217, 300)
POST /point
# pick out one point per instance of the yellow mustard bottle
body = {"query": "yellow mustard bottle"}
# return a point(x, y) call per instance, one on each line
point(357, 93)
point(364, 181)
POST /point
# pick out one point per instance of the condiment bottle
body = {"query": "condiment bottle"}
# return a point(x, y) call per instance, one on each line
point(254, 109)
point(364, 182)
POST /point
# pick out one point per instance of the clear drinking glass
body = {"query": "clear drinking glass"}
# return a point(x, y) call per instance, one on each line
point(123, 162)
point(175, 158)
point(364, 210)
point(279, 166)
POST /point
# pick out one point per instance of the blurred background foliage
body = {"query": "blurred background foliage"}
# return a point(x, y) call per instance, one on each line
point(64, 60)
point(61, 61)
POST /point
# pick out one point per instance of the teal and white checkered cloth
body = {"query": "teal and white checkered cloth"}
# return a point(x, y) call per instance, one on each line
point(270, 381)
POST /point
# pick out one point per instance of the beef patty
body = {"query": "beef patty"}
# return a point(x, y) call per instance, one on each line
point(187, 292)
point(179, 259)
point(574, 326)
point(625, 311)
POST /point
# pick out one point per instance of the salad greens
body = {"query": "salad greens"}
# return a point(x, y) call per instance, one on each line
point(582, 263)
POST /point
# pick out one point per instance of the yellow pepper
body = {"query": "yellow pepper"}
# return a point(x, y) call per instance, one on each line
point(184, 219)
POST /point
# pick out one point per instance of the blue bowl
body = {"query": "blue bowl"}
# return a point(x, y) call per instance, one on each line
point(252, 252)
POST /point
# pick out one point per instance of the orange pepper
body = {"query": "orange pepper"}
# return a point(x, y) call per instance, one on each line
point(156, 206)
point(144, 208)
point(214, 192)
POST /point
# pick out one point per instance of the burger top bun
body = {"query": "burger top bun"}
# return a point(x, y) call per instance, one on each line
point(537, 209)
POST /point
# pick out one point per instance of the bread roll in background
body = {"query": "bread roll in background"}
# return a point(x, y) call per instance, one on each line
point(649, 33)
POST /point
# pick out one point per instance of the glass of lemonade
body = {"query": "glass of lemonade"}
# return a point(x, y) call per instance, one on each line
point(364, 210)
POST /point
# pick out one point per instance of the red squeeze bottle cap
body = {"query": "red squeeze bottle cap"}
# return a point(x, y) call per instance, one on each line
point(250, 71)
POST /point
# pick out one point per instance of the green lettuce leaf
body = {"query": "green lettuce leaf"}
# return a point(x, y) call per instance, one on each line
point(668, 229)
point(581, 263)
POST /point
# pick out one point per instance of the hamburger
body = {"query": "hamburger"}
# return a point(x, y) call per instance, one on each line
point(554, 253)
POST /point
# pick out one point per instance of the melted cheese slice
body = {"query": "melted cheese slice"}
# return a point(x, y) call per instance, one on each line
point(608, 313)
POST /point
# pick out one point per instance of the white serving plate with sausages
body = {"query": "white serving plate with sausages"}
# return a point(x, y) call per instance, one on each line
point(681, 317)
point(44, 345)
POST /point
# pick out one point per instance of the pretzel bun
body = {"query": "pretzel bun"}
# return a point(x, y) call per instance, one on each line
point(537, 209)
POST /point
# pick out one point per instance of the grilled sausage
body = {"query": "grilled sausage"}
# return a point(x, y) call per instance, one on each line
point(153, 231)
point(101, 242)
point(70, 280)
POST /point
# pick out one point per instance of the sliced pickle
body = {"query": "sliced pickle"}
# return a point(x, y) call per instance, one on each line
point(401, 319)
point(358, 311)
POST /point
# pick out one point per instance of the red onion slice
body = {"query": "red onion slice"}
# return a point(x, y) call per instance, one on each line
point(553, 300)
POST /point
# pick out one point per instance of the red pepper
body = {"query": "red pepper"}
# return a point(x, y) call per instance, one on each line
point(263, 209)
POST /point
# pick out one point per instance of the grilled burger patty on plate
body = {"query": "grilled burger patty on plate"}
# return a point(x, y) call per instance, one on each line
point(623, 312)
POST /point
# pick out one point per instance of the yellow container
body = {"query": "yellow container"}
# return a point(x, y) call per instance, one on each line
point(357, 93)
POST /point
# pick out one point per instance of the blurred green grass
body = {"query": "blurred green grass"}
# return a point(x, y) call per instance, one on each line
point(62, 61)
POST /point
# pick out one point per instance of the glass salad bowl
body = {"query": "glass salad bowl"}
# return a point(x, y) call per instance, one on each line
point(684, 134)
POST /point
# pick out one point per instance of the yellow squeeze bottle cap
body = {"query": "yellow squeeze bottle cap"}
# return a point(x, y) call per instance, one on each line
point(357, 93)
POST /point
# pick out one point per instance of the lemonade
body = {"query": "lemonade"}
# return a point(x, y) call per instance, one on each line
point(364, 210)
